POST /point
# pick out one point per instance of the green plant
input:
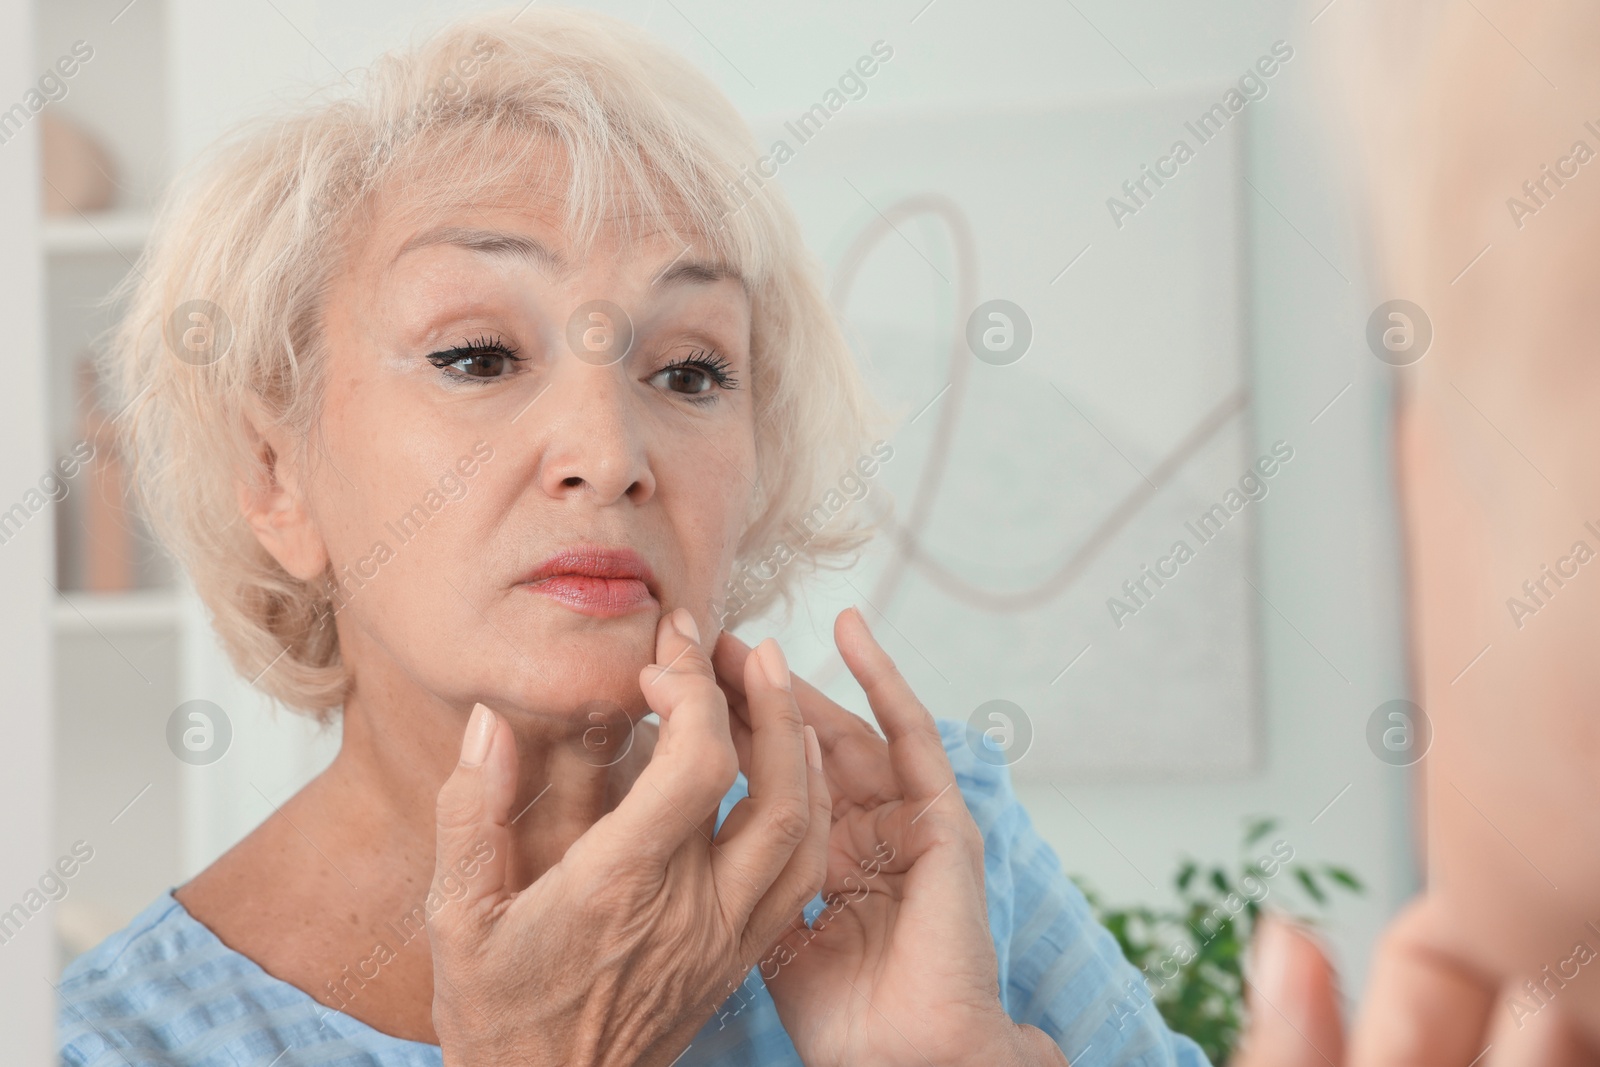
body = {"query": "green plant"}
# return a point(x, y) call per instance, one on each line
point(1192, 956)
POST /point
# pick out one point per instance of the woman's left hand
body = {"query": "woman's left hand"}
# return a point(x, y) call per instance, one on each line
point(900, 967)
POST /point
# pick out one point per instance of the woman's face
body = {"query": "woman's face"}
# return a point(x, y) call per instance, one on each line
point(509, 492)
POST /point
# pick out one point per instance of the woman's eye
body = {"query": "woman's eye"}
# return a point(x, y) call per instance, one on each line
point(698, 374)
point(686, 379)
point(483, 364)
point(477, 360)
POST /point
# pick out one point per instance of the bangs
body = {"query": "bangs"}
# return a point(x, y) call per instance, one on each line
point(624, 156)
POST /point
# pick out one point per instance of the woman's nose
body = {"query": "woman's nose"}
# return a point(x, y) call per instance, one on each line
point(593, 444)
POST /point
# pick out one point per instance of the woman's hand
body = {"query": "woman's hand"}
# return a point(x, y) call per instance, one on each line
point(621, 951)
point(900, 967)
point(1424, 1007)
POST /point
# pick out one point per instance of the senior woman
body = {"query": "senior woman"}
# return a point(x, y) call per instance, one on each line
point(460, 399)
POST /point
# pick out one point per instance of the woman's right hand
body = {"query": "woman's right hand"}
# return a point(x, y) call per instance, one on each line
point(622, 950)
point(1424, 1005)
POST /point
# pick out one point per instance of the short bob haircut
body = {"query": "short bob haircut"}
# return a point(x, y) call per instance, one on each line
point(255, 228)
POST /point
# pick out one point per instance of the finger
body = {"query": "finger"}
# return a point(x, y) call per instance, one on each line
point(764, 829)
point(728, 661)
point(1551, 1038)
point(832, 722)
point(694, 763)
point(856, 757)
point(741, 741)
point(916, 751)
point(1294, 1001)
point(803, 875)
point(472, 840)
point(728, 658)
point(1422, 1005)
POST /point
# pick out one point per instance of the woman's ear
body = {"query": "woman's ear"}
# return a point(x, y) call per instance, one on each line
point(272, 499)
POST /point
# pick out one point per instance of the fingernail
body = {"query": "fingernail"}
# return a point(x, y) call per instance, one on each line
point(773, 665)
point(683, 622)
point(475, 742)
point(813, 749)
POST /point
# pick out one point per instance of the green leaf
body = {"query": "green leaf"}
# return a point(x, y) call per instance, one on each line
point(1205, 998)
point(1186, 875)
point(1308, 880)
point(1345, 878)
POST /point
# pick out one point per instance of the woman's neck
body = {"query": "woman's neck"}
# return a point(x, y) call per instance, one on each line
point(394, 758)
point(345, 865)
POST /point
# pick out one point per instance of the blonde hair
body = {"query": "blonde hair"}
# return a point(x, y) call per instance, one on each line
point(254, 229)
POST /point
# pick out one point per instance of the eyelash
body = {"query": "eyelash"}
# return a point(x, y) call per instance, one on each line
point(713, 364)
point(482, 345)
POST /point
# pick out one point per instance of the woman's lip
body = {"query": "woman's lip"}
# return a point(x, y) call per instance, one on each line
point(602, 597)
point(595, 580)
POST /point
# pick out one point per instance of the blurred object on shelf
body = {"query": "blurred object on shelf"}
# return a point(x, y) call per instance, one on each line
point(103, 543)
point(79, 175)
point(107, 554)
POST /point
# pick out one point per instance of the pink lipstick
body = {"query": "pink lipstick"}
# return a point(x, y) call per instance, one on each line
point(593, 580)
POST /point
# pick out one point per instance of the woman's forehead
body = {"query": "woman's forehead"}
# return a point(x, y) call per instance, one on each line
point(530, 217)
point(573, 189)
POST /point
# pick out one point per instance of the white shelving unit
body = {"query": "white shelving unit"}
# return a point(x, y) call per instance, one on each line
point(79, 614)
point(96, 234)
point(124, 661)
point(117, 665)
point(117, 654)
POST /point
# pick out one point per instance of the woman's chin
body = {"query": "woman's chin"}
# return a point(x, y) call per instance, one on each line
point(595, 713)
point(588, 675)
point(570, 695)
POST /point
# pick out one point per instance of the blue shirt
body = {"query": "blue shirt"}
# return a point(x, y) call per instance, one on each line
point(165, 991)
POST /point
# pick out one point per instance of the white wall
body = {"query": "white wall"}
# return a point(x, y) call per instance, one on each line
point(27, 960)
point(1327, 559)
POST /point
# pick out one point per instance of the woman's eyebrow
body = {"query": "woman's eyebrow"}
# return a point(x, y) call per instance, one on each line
point(693, 271)
point(490, 243)
point(531, 250)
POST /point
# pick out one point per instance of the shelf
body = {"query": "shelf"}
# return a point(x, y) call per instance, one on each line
point(97, 234)
point(138, 609)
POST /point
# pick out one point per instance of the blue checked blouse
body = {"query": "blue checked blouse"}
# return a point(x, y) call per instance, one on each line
point(165, 991)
